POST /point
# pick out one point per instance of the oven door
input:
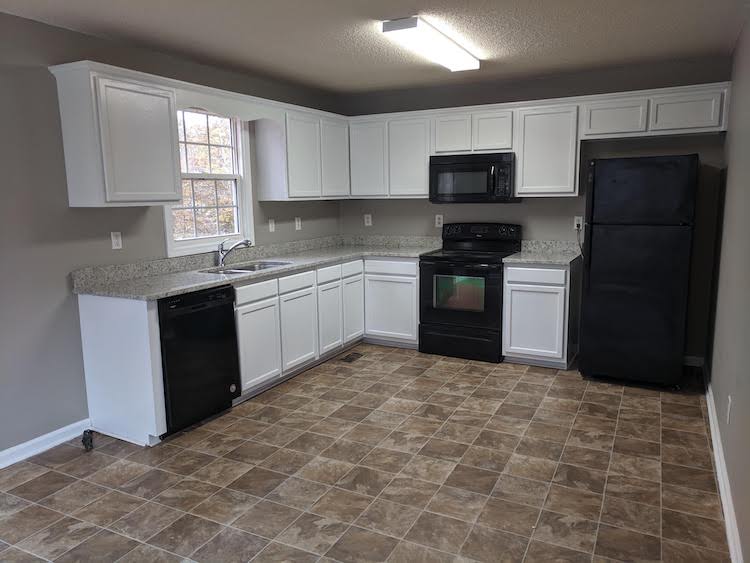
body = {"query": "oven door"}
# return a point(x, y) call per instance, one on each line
point(462, 294)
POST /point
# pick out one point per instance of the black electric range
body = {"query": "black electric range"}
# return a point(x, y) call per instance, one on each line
point(461, 291)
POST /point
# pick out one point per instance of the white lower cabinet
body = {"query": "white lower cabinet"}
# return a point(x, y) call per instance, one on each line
point(354, 307)
point(535, 314)
point(330, 316)
point(299, 327)
point(391, 300)
point(259, 336)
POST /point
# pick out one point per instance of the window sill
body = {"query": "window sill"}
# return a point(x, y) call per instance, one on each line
point(198, 246)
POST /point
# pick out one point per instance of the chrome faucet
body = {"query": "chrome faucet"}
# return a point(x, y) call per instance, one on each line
point(224, 252)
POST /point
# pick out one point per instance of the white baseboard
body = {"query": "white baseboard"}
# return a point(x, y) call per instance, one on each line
point(43, 442)
point(722, 476)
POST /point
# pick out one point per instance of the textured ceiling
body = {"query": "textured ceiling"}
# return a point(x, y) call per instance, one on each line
point(335, 44)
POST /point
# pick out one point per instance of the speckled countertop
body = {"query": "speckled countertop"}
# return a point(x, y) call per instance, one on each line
point(165, 285)
point(548, 257)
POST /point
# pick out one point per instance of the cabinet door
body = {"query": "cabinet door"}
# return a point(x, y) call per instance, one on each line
point(259, 336)
point(334, 151)
point(330, 330)
point(303, 154)
point(367, 149)
point(408, 156)
point(686, 111)
point(534, 320)
point(614, 116)
point(299, 328)
point(138, 130)
point(492, 130)
point(391, 306)
point(354, 307)
point(452, 133)
point(546, 150)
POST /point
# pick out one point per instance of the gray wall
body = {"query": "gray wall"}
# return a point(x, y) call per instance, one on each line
point(42, 239)
point(592, 81)
point(729, 369)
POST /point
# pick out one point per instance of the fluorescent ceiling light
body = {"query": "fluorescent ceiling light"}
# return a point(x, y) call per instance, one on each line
point(421, 38)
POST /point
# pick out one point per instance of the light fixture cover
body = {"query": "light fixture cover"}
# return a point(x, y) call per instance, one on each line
point(421, 38)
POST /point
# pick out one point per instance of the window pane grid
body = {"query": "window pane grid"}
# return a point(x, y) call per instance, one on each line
point(210, 214)
point(206, 144)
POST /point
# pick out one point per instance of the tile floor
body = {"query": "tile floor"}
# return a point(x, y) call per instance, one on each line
point(399, 456)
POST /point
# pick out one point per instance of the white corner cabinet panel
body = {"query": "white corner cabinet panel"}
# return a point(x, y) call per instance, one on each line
point(122, 367)
point(303, 155)
point(334, 155)
point(258, 333)
point(353, 289)
point(299, 320)
point(547, 151)
point(391, 301)
point(408, 157)
point(119, 138)
point(368, 150)
point(540, 314)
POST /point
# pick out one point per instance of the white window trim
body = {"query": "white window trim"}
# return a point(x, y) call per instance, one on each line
point(244, 205)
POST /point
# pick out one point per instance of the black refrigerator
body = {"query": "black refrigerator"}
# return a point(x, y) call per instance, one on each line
point(639, 227)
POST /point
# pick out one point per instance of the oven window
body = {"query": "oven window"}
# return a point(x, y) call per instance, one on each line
point(469, 182)
point(458, 293)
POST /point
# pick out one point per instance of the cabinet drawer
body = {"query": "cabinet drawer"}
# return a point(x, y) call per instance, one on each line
point(329, 273)
point(535, 275)
point(296, 281)
point(256, 291)
point(391, 267)
point(351, 268)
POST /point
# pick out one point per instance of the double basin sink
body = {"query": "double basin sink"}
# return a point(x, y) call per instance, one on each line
point(244, 269)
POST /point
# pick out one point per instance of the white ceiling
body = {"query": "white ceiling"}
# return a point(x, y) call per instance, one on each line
point(335, 44)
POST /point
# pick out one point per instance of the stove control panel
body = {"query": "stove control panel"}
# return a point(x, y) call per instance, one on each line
point(480, 231)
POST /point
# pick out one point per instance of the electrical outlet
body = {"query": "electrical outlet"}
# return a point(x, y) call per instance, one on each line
point(438, 221)
point(271, 226)
point(577, 223)
point(368, 220)
point(298, 223)
point(116, 237)
point(729, 409)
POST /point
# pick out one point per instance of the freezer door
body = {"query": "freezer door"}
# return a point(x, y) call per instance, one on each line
point(634, 302)
point(643, 191)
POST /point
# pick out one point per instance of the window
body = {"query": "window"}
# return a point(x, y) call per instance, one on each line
point(210, 165)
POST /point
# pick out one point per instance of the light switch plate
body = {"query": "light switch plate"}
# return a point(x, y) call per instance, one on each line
point(298, 223)
point(116, 237)
point(438, 221)
point(271, 225)
point(368, 220)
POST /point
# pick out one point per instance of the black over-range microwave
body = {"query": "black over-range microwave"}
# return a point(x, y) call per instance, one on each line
point(472, 178)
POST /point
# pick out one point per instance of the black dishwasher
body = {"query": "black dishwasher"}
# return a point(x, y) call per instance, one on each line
point(199, 355)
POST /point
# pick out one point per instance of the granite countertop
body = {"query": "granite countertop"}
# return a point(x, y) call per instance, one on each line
point(165, 285)
point(550, 257)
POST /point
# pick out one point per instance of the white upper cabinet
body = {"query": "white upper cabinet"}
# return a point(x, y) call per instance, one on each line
point(546, 151)
point(334, 151)
point(686, 111)
point(368, 158)
point(627, 115)
point(452, 133)
point(408, 157)
point(303, 154)
point(492, 130)
point(120, 139)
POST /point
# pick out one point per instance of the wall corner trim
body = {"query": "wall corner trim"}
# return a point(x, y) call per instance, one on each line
point(44, 442)
point(722, 476)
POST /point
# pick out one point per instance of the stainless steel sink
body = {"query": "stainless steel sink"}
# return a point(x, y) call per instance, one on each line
point(245, 268)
